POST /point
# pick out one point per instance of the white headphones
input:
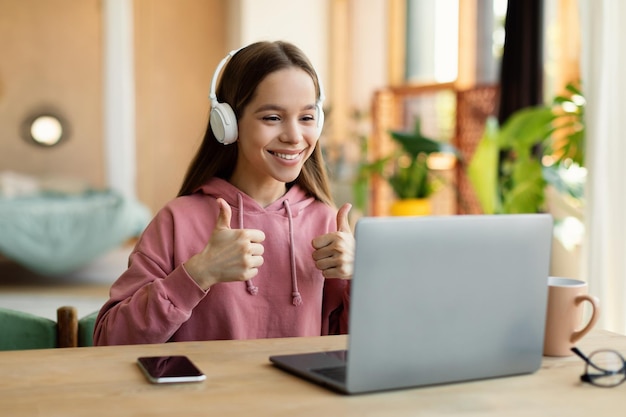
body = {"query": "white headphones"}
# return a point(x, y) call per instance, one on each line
point(223, 121)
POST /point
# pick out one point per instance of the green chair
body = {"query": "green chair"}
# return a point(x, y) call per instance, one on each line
point(85, 329)
point(20, 330)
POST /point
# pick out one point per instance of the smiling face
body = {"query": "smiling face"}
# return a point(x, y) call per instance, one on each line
point(277, 134)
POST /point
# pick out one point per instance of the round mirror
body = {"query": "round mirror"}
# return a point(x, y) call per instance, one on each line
point(44, 129)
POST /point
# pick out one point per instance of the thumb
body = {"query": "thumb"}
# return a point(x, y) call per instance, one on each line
point(343, 223)
point(223, 219)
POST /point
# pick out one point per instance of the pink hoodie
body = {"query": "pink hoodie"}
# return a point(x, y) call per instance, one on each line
point(156, 301)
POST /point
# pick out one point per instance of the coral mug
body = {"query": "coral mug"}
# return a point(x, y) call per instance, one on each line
point(564, 320)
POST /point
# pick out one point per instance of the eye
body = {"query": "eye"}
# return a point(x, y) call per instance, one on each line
point(271, 118)
point(308, 118)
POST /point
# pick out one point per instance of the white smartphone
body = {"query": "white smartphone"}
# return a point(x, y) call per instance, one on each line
point(169, 369)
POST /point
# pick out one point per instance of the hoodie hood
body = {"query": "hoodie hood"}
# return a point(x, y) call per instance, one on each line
point(297, 199)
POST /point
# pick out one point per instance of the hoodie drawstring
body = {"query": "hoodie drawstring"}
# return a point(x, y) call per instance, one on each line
point(295, 294)
point(250, 287)
point(253, 289)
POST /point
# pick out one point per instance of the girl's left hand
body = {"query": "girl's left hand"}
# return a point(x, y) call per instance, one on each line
point(334, 252)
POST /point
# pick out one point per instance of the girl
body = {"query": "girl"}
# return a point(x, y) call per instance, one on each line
point(251, 247)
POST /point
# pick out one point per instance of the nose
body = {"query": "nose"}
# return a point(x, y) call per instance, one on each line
point(292, 132)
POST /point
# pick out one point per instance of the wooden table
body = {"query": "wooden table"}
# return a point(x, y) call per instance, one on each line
point(105, 381)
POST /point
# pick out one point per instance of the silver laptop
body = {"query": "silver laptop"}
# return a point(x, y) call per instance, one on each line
point(438, 300)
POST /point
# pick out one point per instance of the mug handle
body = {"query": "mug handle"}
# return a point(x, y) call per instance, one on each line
point(595, 314)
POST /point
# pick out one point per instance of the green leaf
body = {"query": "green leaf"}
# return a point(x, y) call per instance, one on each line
point(482, 170)
point(527, 194)
point(414, 143)
point(527, 127)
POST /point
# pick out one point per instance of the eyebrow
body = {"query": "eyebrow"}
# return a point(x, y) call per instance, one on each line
point(269, 107)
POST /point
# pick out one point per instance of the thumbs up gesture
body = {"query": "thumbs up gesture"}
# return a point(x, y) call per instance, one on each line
point(230, 254)
point(334, 252)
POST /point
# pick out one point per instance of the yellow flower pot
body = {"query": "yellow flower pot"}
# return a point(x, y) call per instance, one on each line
point(411, 207)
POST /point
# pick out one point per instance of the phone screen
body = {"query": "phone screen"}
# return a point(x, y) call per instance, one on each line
point(167, 369)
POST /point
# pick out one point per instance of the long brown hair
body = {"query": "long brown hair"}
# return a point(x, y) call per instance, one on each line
point(238, 84)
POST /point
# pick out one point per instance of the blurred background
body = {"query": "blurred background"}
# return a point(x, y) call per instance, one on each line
point(117, 90)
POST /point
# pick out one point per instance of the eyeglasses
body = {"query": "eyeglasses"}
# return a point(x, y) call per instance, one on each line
point(604, 368)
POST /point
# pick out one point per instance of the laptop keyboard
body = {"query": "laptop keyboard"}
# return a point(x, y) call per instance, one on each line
point(336, 373)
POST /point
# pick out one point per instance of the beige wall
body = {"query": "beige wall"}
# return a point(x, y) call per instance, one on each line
point(51, 58)
point(177, 46)
point(52, 53)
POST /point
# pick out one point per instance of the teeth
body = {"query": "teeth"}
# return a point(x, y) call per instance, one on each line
point(286, 156)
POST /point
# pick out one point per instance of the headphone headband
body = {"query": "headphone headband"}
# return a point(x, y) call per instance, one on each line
point(218, 70)
point(223, 120)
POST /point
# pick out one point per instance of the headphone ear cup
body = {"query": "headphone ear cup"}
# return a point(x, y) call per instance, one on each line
point(319, 118)
point(224, 123)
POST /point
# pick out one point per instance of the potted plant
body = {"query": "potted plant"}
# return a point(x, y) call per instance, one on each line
point(407, 172)
point(535, 147)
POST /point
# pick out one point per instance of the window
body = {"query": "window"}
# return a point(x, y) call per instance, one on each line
point(432, 40)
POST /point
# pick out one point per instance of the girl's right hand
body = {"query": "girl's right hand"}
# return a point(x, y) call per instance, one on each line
point(230, 255)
